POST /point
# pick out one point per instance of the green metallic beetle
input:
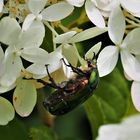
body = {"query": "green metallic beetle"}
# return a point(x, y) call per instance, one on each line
point(69, 94)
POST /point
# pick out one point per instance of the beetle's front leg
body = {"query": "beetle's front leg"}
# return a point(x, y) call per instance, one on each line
point(52, 84)
point(47, 83)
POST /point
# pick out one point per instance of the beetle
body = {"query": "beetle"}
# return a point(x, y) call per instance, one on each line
point(69, 94)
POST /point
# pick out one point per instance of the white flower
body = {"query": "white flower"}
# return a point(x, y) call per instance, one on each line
point(66, 50)
point(130, 45)
point(132, 6)
point(53, 60)
point(135, 94)
point(20, 44)
point(2, 70)
point(2, 67)
point(135, 91)
point(52, 13)
point(6, 110)
point(77, 3)
point(68, 40)
point(96, 9)
point(128, 129)
point(1, 5)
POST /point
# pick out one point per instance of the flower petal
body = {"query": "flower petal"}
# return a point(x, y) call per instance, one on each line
point(106, 5)
point(94, 14)
point(87, 34)
point(58, 11)
point(67, 70)
point(35, 76)
point(127, 130)
point(2, 67)
point(1, 53)
point(131, 5)
point(28, 21)
point(37, 69)
point(13, 66)
point(34, 54)
point(77, 3)
point(135, 93)
point(64, 38)
point(53, 60)
point(95, 49)
point(1, 5)
point(33, 37)
point(36, 6)
point(70, 53)
point(9, 35)
point(116, 25)
point(132, 41)
point(7, 112)
point(131, 65)
point(4, 89)
point(24, 98)
point(107, 60)
point(127, 77)
point(136, 14)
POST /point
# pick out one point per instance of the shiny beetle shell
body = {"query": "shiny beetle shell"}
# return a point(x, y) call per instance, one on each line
point(74, 92)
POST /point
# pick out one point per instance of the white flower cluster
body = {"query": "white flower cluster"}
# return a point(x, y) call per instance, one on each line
point(21, 40)
point(128, 129)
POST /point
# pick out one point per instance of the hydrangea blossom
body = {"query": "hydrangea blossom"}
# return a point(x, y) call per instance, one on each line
point(25, 43)
point(128, 47)
point(3, 88)
point(128, 129)
point(96, 10)
point(66, 50)
point(39, 13)
point(19, 43)
point(132, 6)
point(68, 40)
point(53, 60)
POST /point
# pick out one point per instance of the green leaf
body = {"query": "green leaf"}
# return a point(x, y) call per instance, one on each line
point(113, 104)
point(87, 34)
point(73, 125)
point(118, 82)
point(15, 130)
point(7, 112)
point(73, 17)
point(42, 133)
point(94, 114)
point(113, 94)
point(24, 98)
point(109, 103)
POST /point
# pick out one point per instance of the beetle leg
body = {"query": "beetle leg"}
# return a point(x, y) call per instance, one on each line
point(74, 69)
point(94, 56)
point(52, 84)
point(63, 101)
point(46, 83)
